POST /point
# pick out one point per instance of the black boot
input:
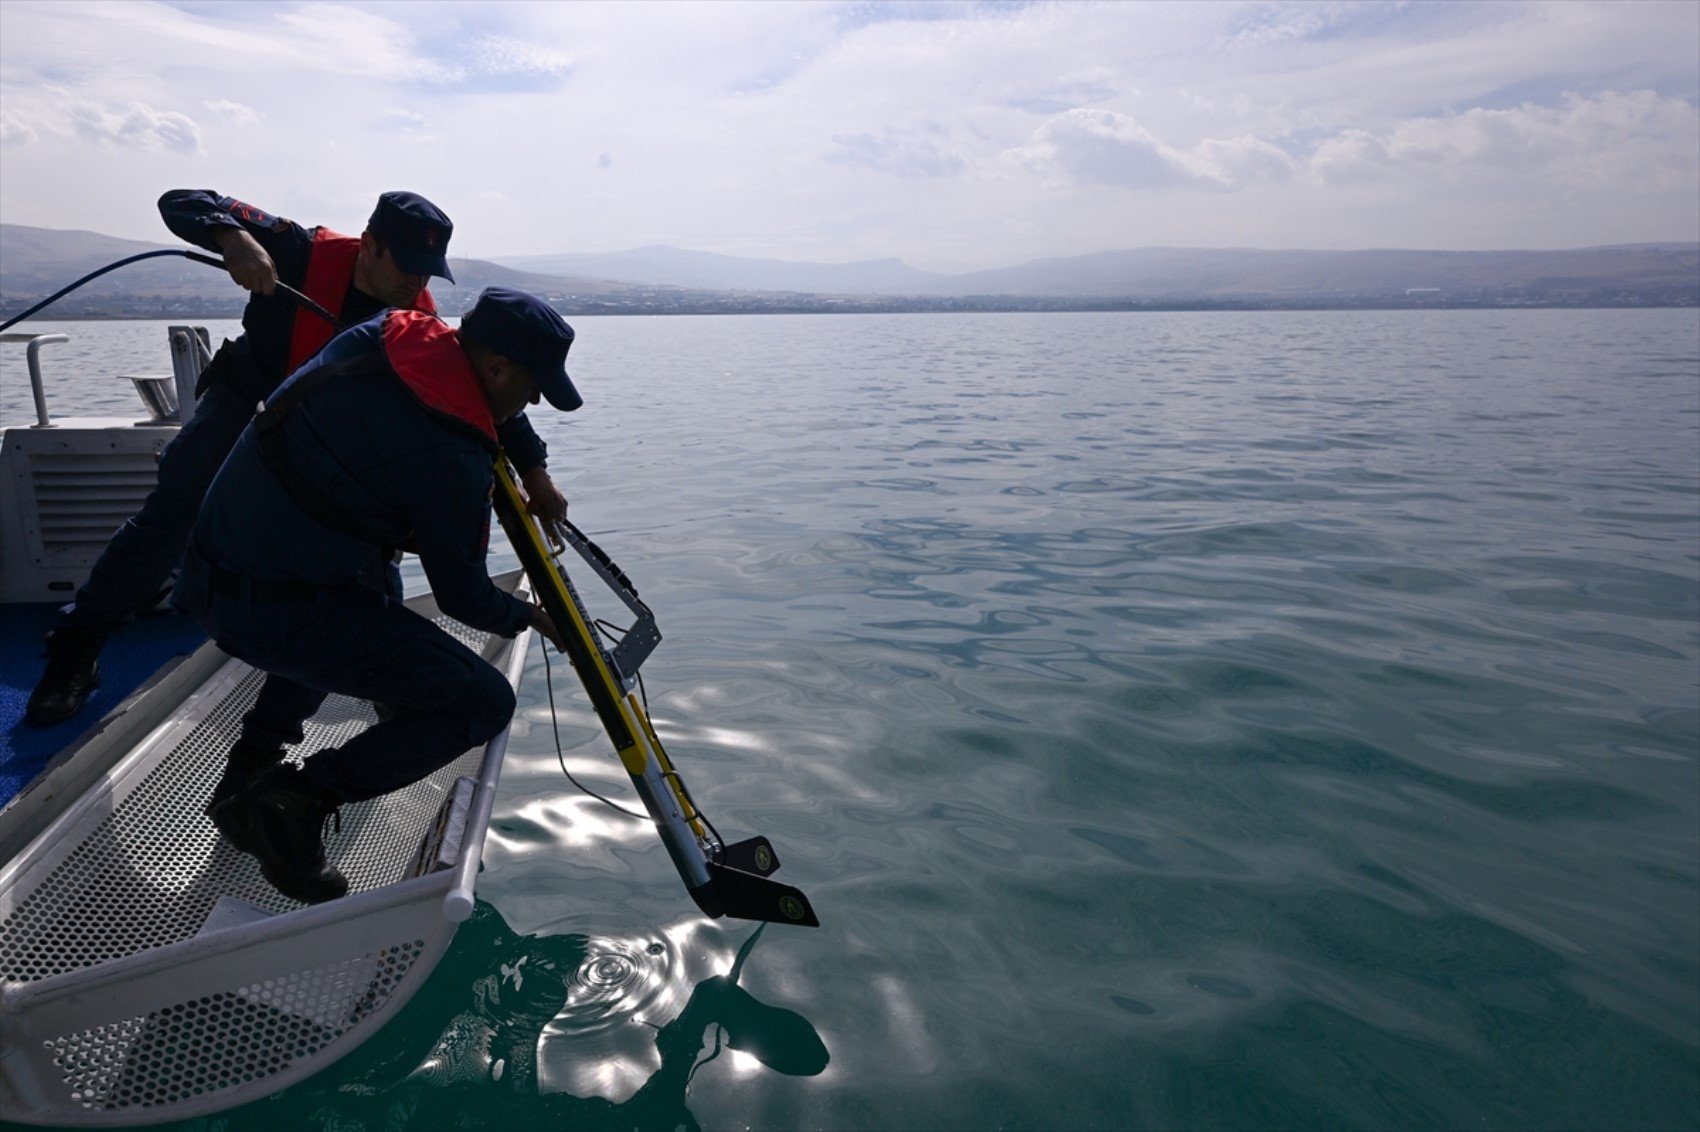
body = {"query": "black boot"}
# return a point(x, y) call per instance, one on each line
point(245, 763)
point(72, 672)
point(280, 820)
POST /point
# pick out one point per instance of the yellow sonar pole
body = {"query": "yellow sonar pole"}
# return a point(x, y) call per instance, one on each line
point(724, 880)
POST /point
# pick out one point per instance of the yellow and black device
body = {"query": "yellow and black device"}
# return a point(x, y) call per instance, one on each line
point(724, 880)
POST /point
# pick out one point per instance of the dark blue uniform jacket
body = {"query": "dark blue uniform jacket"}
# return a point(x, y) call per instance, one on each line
point(400, 470)
point(198, 215)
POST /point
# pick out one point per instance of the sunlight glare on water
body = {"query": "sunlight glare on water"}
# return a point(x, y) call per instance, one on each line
point(1178, 720)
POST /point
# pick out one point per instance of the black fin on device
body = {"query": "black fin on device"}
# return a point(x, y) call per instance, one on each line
point(754, 855)
point(750, 897)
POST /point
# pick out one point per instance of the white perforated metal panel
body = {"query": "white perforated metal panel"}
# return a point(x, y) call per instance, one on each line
point(150, 872)
point(207, 1044)
point(128, 881)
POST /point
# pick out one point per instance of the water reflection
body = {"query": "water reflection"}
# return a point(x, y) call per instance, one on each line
point(1282, 720)
point(576, 1030)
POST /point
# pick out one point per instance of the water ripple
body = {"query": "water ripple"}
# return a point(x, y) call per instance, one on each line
point(1248, 721)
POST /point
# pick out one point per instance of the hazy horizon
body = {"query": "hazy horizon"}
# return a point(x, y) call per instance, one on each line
point(165, 240)
point(954, 137)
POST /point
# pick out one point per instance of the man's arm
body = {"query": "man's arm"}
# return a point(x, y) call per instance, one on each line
point(529, 455)
point(542, 497)
point(448, 503)
point(249, 240)
point(522, 444)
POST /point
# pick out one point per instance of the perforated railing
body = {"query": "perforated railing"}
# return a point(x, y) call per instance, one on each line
point(241, 1037)
point(146, 872)
point(150, 872)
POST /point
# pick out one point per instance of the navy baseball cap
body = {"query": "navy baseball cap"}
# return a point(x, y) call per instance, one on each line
point(415, 231)
point(525, 329)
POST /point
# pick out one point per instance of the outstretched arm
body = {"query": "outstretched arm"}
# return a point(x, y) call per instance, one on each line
point(529, 455)
point(448, 508)
point(248, 263)
point(542, 497)
point(248, 238)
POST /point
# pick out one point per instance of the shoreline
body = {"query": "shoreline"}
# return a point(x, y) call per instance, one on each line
point(903, 306)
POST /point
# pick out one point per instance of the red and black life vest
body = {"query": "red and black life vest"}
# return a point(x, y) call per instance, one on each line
point(427, 356)
point(330, 273)
point(430, 361)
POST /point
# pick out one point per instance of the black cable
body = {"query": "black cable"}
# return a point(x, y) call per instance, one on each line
point(561, 756)
point(303, 300)
point(607, 630)
point(63, 291)
point(643, 694)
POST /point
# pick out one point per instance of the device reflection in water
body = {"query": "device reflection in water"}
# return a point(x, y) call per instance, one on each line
point(602, 1041)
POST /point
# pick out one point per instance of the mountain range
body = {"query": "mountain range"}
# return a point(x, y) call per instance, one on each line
point(36, 261)
point(1153, 273)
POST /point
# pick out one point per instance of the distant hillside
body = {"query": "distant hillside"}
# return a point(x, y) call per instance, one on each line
point(28, 249)
point(36, 261)
point(1250, 273)
point(675, 267)
point(473, 275)
point(1180, 274)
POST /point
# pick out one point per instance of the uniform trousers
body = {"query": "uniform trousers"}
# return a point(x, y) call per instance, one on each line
point(358, 642)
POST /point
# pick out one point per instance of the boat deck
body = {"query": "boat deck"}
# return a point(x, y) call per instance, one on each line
point(129, 660)
point(148, 972)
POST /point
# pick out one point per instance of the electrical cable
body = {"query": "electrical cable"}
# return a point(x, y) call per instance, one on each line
point(301, 299)
point(607, 628)
point(560, 754)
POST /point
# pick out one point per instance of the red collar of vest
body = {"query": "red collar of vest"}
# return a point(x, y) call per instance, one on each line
point(430, 361)
point(330, 273)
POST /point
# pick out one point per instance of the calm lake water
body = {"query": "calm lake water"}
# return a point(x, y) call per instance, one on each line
point(1237, 721)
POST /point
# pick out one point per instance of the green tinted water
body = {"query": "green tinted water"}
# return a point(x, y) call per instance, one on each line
point(1179, 721)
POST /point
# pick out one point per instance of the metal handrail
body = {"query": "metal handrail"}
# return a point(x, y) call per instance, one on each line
point(191, 352)
point(36, 342)
point(458, 904)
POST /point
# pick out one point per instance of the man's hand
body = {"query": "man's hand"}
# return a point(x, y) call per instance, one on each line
point(545, 624)
point(543, 498)
point(247, 261)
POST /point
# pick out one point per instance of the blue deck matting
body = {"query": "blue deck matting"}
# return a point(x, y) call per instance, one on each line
point(129, 658)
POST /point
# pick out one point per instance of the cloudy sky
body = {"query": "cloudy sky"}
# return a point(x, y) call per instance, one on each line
point(951, 135)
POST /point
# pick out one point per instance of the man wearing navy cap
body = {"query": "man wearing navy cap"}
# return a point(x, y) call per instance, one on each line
point(405, 242)
point(278, 570)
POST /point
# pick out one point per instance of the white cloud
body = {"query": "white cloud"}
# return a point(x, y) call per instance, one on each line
point(403, 121)
point(138, 126)
point(983, 132)
point(353, 41)
point(1628, 141)
point(905, 153)
point(1262, 25)
point(233, 113)
point(1105, 147)
point(504, 55)
point(1352, 156)
point(14, 130)
point(1245, 160)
